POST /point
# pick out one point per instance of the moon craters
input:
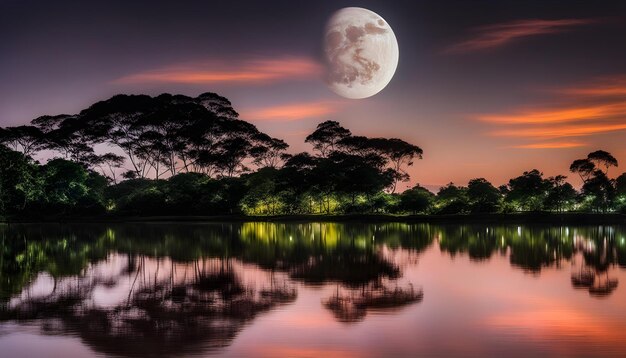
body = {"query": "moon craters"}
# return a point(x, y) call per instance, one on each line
point(349, 46)
point(361, 53)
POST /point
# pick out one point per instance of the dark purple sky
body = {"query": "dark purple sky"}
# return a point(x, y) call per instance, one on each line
point(486, 88)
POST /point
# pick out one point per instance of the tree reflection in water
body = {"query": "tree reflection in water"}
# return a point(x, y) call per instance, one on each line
point(161, 310)
point(349, 256)
point(532, 248)
point(596, 259)
point(168, 289)
point(353, 305)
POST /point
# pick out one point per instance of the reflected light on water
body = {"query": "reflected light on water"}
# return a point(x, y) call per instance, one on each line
point(309, 289)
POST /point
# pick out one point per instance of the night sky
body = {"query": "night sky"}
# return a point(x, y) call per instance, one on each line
point(486, 88)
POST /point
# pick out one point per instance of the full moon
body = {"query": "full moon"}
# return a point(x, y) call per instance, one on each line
point(361, 53)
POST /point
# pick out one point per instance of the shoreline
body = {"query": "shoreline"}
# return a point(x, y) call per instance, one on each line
point(513, 218)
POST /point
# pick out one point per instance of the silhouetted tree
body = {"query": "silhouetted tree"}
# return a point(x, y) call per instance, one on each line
point(583, 167)
point(599, 191)
point(108, 163)
point(620, 184)
point(602, 158)
point(69, 187)
point(326, 137)
point(263, 197)
point(483, 196)
point(296, 176)
point(19, 181)
point(452, 199)
point(27, 139)
point(69, 136)
point(169, 135)
point(356, 175)
point(528, 191)
point(561, 195)
point(400, 155)
point(416, 200)
point(269, 151)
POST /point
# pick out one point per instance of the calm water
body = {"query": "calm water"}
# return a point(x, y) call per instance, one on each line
point(312, 290)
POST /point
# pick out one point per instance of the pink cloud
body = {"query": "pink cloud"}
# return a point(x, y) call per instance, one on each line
point(249, 72)
point(551, 145)
point(292, 111)
point(497, 35)
point(587, 109)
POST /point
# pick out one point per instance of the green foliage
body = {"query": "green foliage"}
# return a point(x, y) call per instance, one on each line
point(203, 160)
point(263, 197)
point(452, 199)
point(599, 192)
point(182, 194)
point(140, 197)
point(483, 196)
point(562, 196)
point(416, 200)
point(620, 185)
point(70, 188)
point(528, 191)
point(19, 181)
point(326, 137)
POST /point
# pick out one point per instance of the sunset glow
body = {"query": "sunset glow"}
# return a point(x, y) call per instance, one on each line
point(313, 179)
point(519, 86)
point(251, 72)
point(551, 145)
point(292, 112)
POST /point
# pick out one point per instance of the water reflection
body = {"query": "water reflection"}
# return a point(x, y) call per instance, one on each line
point(353, 305)
point(149, 307)
point(172, 289)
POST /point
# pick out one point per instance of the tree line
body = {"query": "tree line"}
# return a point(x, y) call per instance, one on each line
point(181, 155)
point(530, 191)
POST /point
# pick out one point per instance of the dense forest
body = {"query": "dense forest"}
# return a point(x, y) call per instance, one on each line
point(179, 155)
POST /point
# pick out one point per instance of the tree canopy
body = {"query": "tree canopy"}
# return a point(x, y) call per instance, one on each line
point(177, 155)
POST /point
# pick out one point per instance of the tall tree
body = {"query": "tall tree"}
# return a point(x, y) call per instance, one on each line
point(27, 139)
point(483, 196)
point(67, 135)
point(19, 181)
point(561, 195)
point(416, 200)
point(355, 175)
point(268, 151)
point(118, 122)
point(620, 184)
point(400, 155)
point(602, 159)
point(599, 191)
point(108, 164)
point(452, 199)
point(528, 191)
point(69, 187)
point(583, 167)
point(326, 137)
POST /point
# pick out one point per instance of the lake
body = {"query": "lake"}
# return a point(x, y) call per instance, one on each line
point(311, 290)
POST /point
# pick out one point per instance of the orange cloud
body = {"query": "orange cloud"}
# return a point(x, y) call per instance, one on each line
point(561, 131)
point(257, 71)
point(551, 145)
point(292, 112)
point(559, 115)
point(608, 87)
point(501, 34)
point(585, 110)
